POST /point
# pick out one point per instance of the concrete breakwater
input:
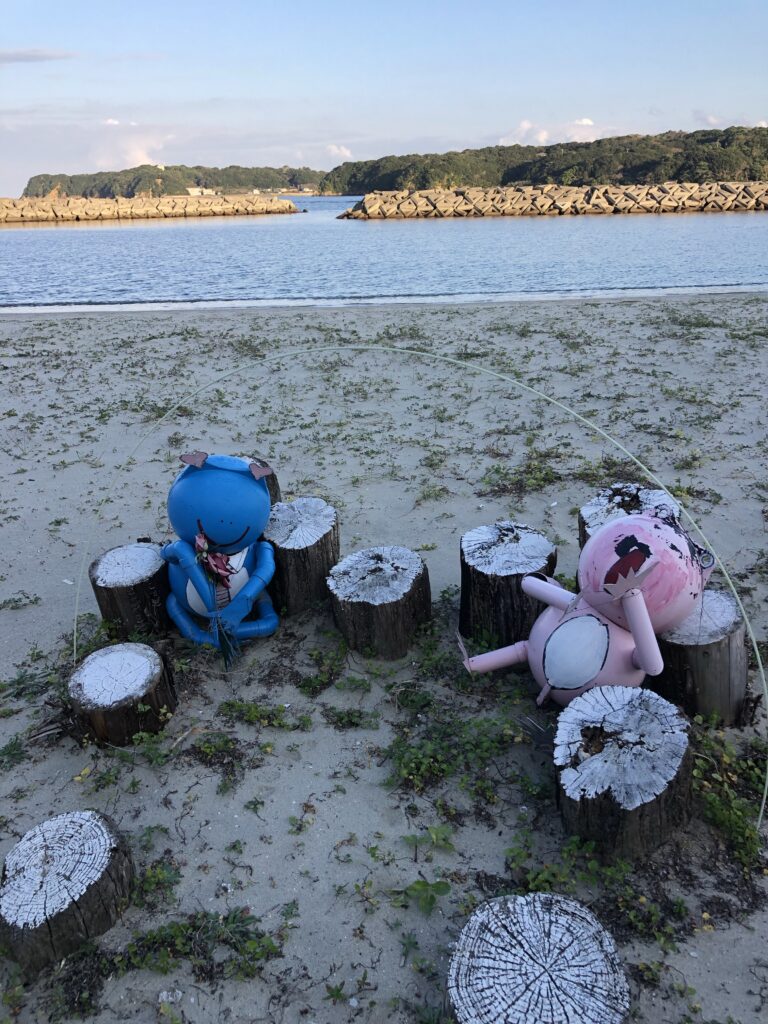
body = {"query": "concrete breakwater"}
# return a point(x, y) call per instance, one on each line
point(557, 200)
point(75, 208)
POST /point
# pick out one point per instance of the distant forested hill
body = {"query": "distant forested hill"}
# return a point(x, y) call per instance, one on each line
point(171, 180)
point(735, 154)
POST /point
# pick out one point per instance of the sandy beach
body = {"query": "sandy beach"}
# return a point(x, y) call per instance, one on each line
point(412, 422)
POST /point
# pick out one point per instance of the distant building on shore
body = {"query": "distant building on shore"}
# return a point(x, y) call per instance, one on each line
point(197, 191)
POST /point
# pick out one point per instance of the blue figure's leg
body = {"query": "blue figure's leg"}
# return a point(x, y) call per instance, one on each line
point(185, 624)
point(265, 625)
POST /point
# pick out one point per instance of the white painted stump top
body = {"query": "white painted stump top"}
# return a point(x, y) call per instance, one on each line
point(300, 523)
point(506, 548)
point(536, 959)
point(115, 675)
point(127, 565)
point(715, 616)
point(621, 499)
point(621, 739)
point(375, 575)
point(53, 865)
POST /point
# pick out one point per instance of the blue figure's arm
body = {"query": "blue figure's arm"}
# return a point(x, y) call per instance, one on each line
point(183, 554)
point(260, 563)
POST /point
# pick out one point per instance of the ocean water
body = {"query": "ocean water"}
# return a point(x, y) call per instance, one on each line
point(312, 257)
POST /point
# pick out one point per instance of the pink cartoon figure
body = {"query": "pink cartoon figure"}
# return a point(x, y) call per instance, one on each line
point(638, 576)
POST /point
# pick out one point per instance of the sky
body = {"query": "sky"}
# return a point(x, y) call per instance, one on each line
point(100, 86)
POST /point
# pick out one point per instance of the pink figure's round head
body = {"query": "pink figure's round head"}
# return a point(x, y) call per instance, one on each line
point(653, 555)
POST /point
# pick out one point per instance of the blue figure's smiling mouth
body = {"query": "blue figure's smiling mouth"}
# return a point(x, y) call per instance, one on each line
point(219, 543)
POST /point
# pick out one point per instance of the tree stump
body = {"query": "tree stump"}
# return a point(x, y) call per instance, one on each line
point(494, 560)
point(625, 760)
point(65, 882)
point(379, 597)
point(536, 959)
point(623, 499)
point(131, 585)
point(121, 690)
point(705, 660)
point(305, 536)
point(273, 485)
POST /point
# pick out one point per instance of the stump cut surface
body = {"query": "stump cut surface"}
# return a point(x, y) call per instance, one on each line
point(299, 523)
point(621, 740)
point(376, 575)
point(536, 959)
point(716, 616)
point(65, 882)
point(506, 549)
point(115, 676)
point(623, 499)
point(127, 565)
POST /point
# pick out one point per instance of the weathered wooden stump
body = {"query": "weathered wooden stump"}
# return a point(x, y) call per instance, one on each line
point(121, 690)
point(705, 660)
point(537, 959)
point(66, 881)
point(131, 584)
point(494, 560)
point(625, 778)
point(273, 485)
point(305, 536)
point(623, 499)
point(379, 598)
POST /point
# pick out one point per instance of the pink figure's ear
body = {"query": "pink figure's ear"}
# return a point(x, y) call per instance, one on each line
point(260, 469)
point(194, 459)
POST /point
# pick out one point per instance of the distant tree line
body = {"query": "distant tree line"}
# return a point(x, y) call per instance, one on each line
point(734, 154)
point(171, 180)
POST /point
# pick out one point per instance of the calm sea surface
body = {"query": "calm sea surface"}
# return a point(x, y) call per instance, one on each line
point(314, 258)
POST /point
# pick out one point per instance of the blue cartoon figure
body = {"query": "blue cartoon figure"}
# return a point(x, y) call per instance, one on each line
point(219, 569)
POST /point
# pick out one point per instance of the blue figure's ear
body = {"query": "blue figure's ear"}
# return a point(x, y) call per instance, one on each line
point(195, 459)
point(259, 469)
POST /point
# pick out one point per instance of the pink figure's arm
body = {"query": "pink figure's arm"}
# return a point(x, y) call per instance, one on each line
point(516, 654)
point(540, 587)
point(647, 655)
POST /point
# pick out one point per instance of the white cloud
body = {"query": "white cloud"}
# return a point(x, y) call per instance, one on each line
point(583, 129)
point(761, 124)
point(110, 120)
point(33, 56)
point(338, 152)
point(710, 120)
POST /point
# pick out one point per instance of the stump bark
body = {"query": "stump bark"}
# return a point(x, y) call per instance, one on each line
point(131, 584)
point(379, 598)
point(705, 660)
point(494, 560)
point(121, 690)
point(536, 959)
point(625, 769)
point(66, 881)
point(305, 536)
point(623, 499)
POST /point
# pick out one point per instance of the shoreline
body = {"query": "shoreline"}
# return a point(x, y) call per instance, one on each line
point(395, 302)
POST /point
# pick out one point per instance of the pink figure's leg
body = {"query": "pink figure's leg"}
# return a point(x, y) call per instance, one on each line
point(543, 695)
point(516, 654)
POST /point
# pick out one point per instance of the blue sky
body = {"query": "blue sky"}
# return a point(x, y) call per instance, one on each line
point(100, 86)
